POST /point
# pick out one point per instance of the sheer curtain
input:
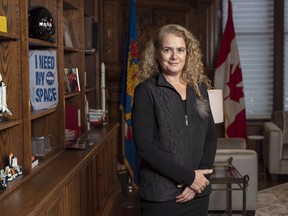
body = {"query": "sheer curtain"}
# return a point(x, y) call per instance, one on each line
point(253, 22)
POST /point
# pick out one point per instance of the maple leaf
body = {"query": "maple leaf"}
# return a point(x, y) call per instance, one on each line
point(236, 92)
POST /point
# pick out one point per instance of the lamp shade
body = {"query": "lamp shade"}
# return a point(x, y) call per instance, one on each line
point(216, 104)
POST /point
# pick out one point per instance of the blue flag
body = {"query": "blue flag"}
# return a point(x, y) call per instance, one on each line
point(129, 81)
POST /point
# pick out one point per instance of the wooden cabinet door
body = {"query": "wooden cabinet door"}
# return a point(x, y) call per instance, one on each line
point(85, 191)
point(72, 197)
point(53, 207)
point(56, 207)
point(95, 184)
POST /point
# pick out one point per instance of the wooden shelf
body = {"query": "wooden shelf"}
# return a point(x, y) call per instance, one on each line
point(69, 5)
point(90, 52)
point(5, 36)
point(33, 42)
point(71, 49)
point(70, 95)
point(9, 124)
point(40, 113)
point(90, 89)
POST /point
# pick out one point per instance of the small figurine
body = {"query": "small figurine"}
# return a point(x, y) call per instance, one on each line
point(3, 100)
point(8, 173)
point(13, 164)
point(3, 181)
point(10, 159)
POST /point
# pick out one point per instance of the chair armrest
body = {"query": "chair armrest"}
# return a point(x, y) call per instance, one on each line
point(231, 143)
point(273, 144)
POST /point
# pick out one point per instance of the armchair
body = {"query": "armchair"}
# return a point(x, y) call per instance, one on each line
point(275, 146)
point(245, 161)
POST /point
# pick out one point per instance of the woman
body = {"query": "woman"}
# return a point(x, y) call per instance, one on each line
point(173, 127)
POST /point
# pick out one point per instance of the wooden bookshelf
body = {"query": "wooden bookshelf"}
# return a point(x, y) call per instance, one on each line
point(16, 133)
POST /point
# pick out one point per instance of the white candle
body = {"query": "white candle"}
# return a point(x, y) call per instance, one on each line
point(102, 74)
point(79, 118)
point(103, 94)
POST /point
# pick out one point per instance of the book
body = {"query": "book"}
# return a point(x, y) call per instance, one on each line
point(3, 24)
point(35, 162)
point(71, 80)
point(66, 84)
point(96, 116)
point(72, 120)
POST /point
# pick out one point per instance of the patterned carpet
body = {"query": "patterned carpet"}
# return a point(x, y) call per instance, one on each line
point(273, 201)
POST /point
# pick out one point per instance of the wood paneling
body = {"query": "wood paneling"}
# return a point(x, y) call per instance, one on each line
point(64, 186)
point(199, 17)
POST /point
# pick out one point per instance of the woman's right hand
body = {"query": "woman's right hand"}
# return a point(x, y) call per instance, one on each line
point(200, 181)
point(187, 195)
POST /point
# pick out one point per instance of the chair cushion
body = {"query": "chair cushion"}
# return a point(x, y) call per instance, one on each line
point(231, 143)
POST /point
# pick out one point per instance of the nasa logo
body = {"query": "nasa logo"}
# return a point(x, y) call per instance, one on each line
point(50, 78)
point(46, 23)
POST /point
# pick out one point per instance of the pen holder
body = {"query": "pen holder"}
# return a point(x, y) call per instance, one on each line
point(40, 145)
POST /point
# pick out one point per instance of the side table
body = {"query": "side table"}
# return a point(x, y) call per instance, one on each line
point(258, 140)
point(226, 174)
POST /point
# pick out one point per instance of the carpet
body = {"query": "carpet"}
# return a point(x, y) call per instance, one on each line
point(273, 201)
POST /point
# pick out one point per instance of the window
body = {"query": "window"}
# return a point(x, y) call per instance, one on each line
point(253, 22)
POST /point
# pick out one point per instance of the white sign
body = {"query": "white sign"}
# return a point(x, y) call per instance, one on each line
point(43, 79)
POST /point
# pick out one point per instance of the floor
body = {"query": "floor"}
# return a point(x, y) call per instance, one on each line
point(130, 198)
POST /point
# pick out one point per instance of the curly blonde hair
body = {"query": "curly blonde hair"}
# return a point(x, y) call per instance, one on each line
point(193, 70)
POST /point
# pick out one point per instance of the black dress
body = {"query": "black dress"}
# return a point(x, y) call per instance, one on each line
point(195, 207)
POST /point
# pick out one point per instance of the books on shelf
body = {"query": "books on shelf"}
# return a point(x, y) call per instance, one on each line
point(70, 134)
point(96, 116)
point(3, 24)
point(71, 80)
point(71, 137)
point(35, 162)
point(72, 119)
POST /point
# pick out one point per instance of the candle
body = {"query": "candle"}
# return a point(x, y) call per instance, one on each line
point(102, 74)
point(103, 94)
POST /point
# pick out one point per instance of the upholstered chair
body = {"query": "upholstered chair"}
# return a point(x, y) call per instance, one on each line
point(276, 144)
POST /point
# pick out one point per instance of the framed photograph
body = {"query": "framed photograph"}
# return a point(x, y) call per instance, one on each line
point(71, 78)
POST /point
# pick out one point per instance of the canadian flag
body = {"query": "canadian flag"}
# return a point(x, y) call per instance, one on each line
point(228, 76)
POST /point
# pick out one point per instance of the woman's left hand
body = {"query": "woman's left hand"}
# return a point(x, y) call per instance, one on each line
point(187, 195)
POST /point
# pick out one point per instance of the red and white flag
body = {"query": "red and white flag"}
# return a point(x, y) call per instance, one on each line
point(228, 76)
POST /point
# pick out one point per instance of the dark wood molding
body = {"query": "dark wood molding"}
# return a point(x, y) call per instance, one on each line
point(278, 73)
point(110, 32)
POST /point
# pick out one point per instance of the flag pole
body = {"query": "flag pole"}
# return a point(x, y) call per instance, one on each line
point(129, 82)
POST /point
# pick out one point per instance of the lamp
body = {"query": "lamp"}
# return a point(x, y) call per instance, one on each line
point(216, 104)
